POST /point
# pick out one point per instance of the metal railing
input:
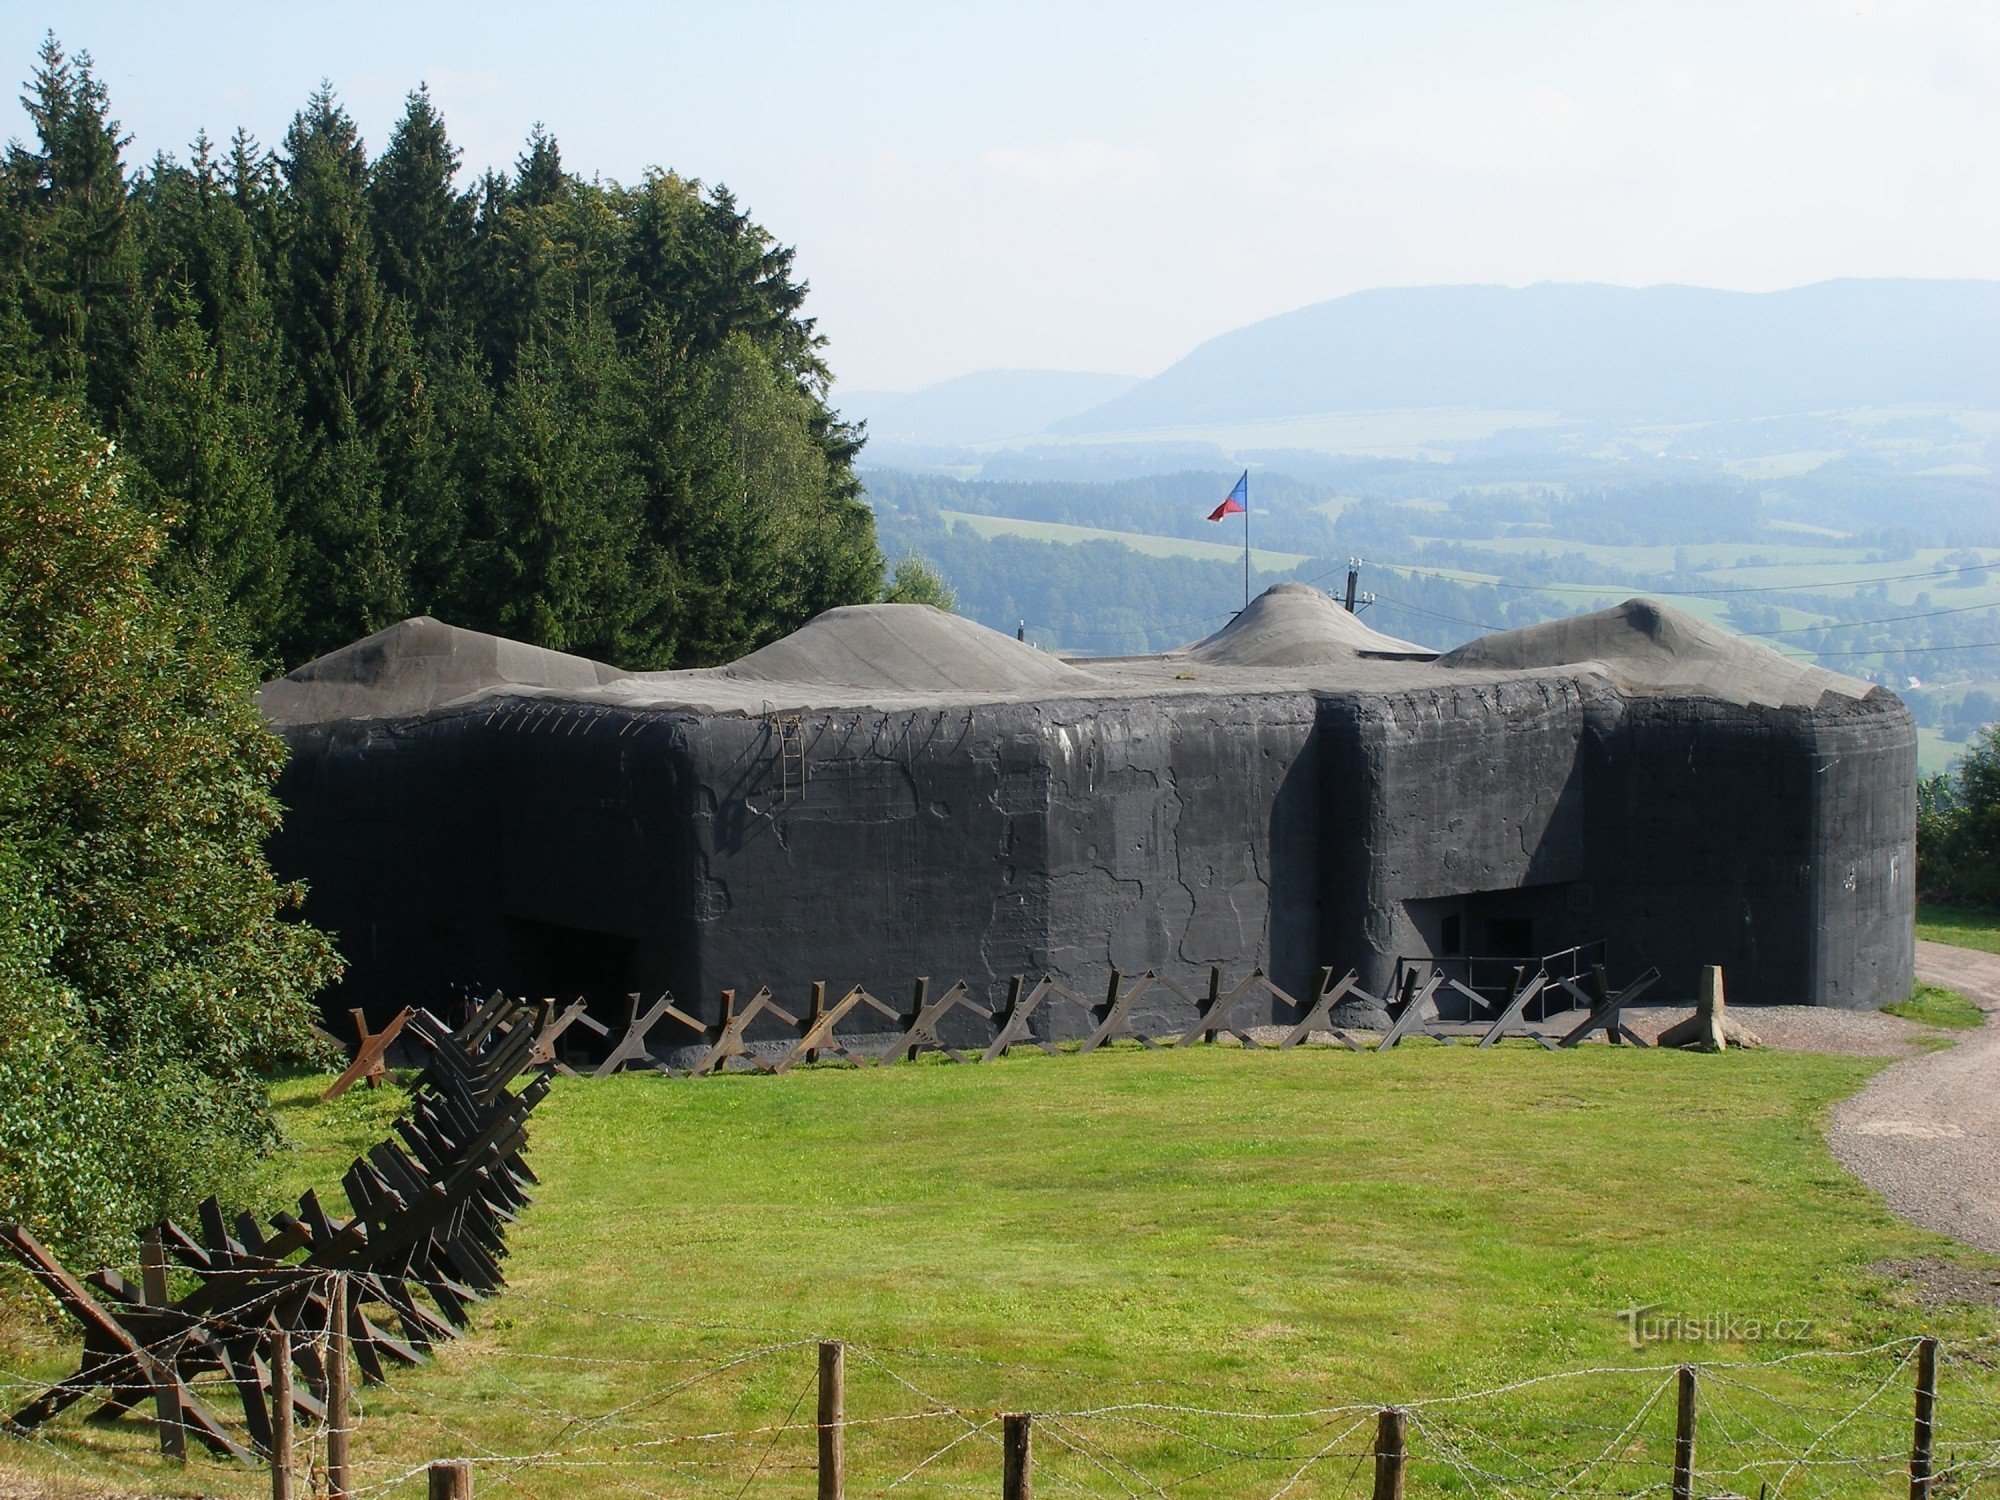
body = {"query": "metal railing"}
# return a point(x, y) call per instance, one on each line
point(1495, 977)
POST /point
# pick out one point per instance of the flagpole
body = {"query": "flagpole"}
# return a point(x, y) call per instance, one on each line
point(1246, 541)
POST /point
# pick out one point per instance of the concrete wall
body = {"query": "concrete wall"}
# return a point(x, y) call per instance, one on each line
point(1775, 842)
point(565, 849)
point(1447, 793)
point(976, 844)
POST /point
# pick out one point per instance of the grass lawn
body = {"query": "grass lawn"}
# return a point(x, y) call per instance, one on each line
point(1238, 1232)
point(1959, 927)
point(1938, 1007)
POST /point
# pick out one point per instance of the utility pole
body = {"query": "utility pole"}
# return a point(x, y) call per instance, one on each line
point(1353, 577)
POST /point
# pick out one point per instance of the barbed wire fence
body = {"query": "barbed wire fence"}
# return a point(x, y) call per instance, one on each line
point(1910, 1415)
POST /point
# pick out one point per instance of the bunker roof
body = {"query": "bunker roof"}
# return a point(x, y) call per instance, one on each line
point(1291, 639)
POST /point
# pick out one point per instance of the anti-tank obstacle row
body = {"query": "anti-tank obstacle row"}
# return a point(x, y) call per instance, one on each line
point(423, 1242)
point(864, 1030)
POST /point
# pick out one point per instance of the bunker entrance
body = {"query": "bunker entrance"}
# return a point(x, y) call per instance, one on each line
point(546, 960)
point(1478, 942)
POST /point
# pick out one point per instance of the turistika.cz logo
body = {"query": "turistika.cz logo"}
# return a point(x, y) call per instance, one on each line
point(1649, 1325)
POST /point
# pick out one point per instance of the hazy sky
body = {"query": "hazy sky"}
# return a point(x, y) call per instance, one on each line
point(1100, 186)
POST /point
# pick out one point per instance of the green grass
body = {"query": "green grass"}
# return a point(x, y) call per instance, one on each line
point(1142, 542)
point(1760, 564)
point(1249, 1231)
point(1959, 927)
point(1938, 1007)
point(1935, 753)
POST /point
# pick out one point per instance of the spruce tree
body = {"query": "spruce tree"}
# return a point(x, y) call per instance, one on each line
point(80, 285)
point(423, 226)
point(209, 424)
point(562, 508)
point(352, 568)
point(205, 470)
point(590, 415)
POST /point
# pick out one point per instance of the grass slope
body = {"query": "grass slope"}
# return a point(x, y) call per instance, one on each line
point(1141, 542)
point(1959, 927)
point(1938, 1007)
point(1260, 1230)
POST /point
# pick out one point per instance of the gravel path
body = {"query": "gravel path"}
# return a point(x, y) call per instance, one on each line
point(1808, 1028)
point(1925, 1132)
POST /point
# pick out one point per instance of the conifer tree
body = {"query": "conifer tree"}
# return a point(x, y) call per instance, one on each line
point(210, 424)
point(539, 178)
point(352, 575)
point(205, 470)
point(256, 190)
point(423, 226)
point(591, 415)
point(80, 273)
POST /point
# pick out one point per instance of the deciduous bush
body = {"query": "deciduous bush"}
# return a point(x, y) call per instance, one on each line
point(1958, 828)
point(148, 967)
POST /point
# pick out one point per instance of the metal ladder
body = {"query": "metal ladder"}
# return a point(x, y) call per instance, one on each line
point(789, 731)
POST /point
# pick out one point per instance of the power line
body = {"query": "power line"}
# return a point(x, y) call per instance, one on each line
point(1416, 609)
point(1929, 614)
point(1905, 650)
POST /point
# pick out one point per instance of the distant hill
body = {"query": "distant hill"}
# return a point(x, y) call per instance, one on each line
point(987, 406)
point(1663, 353)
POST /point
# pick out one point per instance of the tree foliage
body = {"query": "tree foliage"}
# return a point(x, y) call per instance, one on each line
point(1958, 828)
point(914, 580)
point(147, 967)
point(351, 389)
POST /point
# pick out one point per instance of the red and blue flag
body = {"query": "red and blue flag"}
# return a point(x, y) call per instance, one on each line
point(1237, 502)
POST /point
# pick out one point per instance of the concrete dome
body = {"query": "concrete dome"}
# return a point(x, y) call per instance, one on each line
point(418, 665)
point(1649, 648)
point(906, 648)
point(1295, 625)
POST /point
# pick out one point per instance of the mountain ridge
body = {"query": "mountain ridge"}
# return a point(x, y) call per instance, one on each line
point(984, 406)
point(1587, 350)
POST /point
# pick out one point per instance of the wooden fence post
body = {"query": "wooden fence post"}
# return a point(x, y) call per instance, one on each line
point(450, 1479)
point(1920, 1444)
point(1214, 998)
point(339, 1478)
point(281, 1415)
point(1684, 1436)
point(167, 1414)
point(832, 1419)
point(1391, 1438)
point(1017, 1444)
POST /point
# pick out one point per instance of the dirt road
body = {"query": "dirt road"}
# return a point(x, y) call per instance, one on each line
point(1925, 1132)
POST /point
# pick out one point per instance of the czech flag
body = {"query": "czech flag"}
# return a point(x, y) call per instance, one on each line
point(1237, 502)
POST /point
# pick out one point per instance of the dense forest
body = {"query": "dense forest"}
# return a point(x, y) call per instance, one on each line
point(254, 405)
point(351, 389)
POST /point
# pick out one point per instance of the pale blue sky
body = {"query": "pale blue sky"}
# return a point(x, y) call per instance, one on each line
point(1083, 186)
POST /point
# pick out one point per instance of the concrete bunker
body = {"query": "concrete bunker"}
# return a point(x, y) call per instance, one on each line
point(892, 792)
